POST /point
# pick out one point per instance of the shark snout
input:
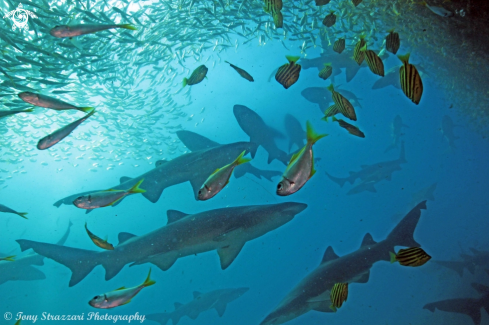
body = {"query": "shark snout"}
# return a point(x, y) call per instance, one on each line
point(294, 208)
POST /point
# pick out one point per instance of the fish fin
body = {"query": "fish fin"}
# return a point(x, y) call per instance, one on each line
point(86, 109)
point(124, 179)
point(121, 288)
point(313, 171)
point(335, 119)
point(294, 156)
point(135, 189)
point(197, 184)
point(220, 308)
point(292, 59)
point(402, 234)
point(194, 141)
point(327, 64)
point(162, 261)
point(329, 255)
point(364, 48)
point(215, 171)
point(312, 137)
point(266, 10)
point(364, 278)
point(184, 82)
point(337, 180)
point(177, 305)
point(480, 288)
point(241, 160)
point(228, 254)
point(330, 88)
point(174, 215)
point(125, 236)
point(22, 214)
point(128, 26)
point(368, 240)
point(390, 30)
point(321, 303)
point(125, 303)
point(197, 293)
point(148, 282)
point(9, 258)
point(115, 201)
point(404, 58)
point(453, 265)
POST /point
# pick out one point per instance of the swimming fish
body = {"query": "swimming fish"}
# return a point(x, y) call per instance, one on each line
point(105, 198)
point(330, 111)
point(220, 178)
point(288, 74)
point(102, 243)
point(414, 256)
point(338, 295)
point(329, 20)
point(339, 45)
point(358, 55)
point(241, 72)
point(14, 111)
point(197, 76)
point(322, 2)
point(58, 135)
point(49, 102)
point(278, 20)
point(374, 62)
point(5, 209)
point(119, 296)
point(82, 29)
point(301, 166)
point(326, 71)
point(411, 83)
point(344, 105)
point(440, 11)
point(350, 128)
point(392, 41)
point(273, 8)
point(356, 2)
point(8, 258)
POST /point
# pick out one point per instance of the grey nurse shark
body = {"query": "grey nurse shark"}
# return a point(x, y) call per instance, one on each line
point(313, 292)
point(478, 259)
point(22, 268)
point(217, 299)
point(226, 230)
point(194, 167)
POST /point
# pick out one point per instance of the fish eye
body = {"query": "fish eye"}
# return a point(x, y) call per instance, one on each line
point(200, 192)
point(279, 186)
point(96, 297)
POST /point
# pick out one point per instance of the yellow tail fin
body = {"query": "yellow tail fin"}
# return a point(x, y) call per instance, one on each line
point(240, 160)
point(148, 282)
point(22, 214)
point(393, 257)
point(184, 83)
point(86, 109)
point(9, 258)
point(312, 137)
point(135, 189)
point(128, 26)
point(404, 58)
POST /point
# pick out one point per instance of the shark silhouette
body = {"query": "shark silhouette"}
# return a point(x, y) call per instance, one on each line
point(478, 259)
point(217, 299)
point(371, 174)
point(195, 142)
point(396, 133)
point(194, 167)
point(447, 127)
point(339, 61)
point(468, 306)
point(295, 132)
point(260, 133)
point(391, 78)
point(225, 230)
point(313, 292)
point(322, 96)
point(21, 269)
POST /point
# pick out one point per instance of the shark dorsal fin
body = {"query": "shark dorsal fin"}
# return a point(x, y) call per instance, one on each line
point(368, 240)
point(197, 294)
point(174, 215)
point(480, 288)
point(194, 141)
point(125, 236)
point(178, 305)
point(329, 255)
point(125, 179)
point(160, 162)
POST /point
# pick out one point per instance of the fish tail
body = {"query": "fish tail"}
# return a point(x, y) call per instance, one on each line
point(90, 114)
point(330, 88)
point(292, 59)
point(393, 257)
point(423, 3)
point(364, 48)
point(184, 83)
point(86, 109)
point(22, 214)
point(402, 234)
point(148, 282)
point(335, 119)
point(28, 110)
point(404, 58)
point(312, 136)
point(128, 26)
point(9, 258)
point(135, 189)
point(241, 160)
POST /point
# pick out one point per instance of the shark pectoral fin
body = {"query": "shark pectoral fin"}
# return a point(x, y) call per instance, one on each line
point(364, 278)
point(125, 179)
point(370, 188)
point(480, 288)
point(177, 305)
point(220, 308)
point(174, 215)
point(163, 261)
point(224, 235)
point(193, 314)
point(227, 254)
point(321, 303)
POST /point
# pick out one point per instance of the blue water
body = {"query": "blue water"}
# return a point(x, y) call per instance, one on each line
point(273, 264)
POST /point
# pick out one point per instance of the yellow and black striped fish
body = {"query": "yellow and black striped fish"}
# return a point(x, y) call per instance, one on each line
point(330, 111)
point(352, 129)
point(392, 42)
point(356, 2)
point(272, 6)
point(322, 2)
point(278, 19)
point(374, 61)
point(411, 83)
point(326, 71)
point(414, 256)
point(358, 55)
point(329, 20)
point(344, 106)
point(338, 295)
point(197, 76)
point(288, 74)
point(339, 45)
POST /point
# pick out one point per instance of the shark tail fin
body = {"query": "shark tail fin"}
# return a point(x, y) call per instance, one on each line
point(337, 180)
point(135, 189)
point(80, 261)
point(312, 136)
point(453, 265)
point(22, 214)
point(161, 318)
point(402, 235)
point(148, 282)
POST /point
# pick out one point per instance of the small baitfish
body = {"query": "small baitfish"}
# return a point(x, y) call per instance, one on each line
point(49, 102)
point(83, 29)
